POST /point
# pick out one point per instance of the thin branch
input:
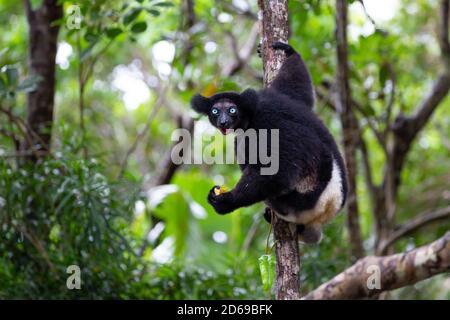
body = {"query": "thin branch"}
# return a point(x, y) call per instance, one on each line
point(415, 224)
point(407, 127)
point(251, 234)
point(81, 87)
point(247, 13)
point(12, 136)
point(143, 133)
point(366, 165)
point(372, 21)
point(443, 135)
point(241, 56)
point(167, 167)
point(350, 128)
point(326, 97)
point(34, 240)
point(94, 60)
point(378, 135)
point(23, 128)
point(372, 275)
point(390, 103)
point(24, 154)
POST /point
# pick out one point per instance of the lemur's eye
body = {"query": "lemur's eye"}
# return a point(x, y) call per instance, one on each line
point(232, 110)
point(215, 111)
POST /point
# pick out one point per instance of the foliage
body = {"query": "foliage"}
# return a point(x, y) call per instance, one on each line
point(58, 213)
point(134, 240)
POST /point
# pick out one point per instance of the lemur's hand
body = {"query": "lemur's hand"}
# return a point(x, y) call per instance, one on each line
point(221, 202)
point(258, 49)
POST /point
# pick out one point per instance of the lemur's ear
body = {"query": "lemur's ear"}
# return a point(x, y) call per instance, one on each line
point(249, 100)
point(201, 104)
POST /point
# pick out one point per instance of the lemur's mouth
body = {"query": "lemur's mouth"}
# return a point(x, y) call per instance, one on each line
point(225, 131)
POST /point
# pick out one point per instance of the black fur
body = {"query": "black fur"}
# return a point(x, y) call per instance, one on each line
point(306, 148)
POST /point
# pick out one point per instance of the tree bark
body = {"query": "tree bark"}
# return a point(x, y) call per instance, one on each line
point(287, 283)
point(394, 272)
point(350, 128)
point(43, 35)
point(274, 27)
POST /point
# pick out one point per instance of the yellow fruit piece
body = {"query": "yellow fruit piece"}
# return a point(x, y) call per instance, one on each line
point(219, 191)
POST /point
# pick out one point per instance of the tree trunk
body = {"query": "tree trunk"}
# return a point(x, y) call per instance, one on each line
point(349, 128)
point(274, 27)
point(43, 35)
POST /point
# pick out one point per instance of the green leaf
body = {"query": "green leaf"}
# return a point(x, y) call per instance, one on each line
point(164, 4)
point(153, 12)
point(368, 109)
point(113, 32)
point(384, 74)
point(131, 15)
point(29, 84)
point(139, 27)
point(86, 52)
point(3, 51)
point(12, 74)
point(267, 270)
point(2, 84)
point(90, 37)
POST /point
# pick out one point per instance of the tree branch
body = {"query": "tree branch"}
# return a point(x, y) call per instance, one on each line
point(247, 13)
point(158, 104)
point(349, 127)
point(243, 55)
point(394, 271)
point(366, 165)
point(443, 29)
point(406, 128)
point(415, 224)
point(167, 166)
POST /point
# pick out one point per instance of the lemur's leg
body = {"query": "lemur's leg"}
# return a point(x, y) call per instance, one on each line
point(293, 78)
point(251, 188)
point(308, 234)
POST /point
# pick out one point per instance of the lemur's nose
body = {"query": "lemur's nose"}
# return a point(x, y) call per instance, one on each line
point(223, 122)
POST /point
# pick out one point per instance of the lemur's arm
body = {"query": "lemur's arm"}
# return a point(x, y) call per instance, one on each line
point(251, 188)
point(293, 78)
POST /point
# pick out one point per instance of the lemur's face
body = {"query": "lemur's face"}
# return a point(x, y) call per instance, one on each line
point(225, 115)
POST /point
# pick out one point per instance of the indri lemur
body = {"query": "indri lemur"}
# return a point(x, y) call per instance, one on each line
point(310, 186)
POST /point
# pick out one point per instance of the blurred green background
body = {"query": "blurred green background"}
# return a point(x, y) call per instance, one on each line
point(133, 238)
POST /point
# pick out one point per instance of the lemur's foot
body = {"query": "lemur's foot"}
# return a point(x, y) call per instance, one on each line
point(309, 234)
point(258, 49)
point(278, 45)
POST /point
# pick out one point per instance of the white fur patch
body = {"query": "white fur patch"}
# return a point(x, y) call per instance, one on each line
point(328, 204)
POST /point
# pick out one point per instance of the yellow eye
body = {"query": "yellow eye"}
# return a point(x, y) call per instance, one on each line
point(232, 110)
